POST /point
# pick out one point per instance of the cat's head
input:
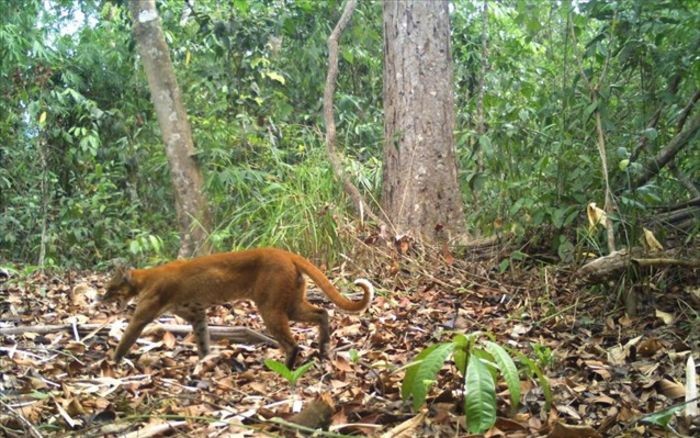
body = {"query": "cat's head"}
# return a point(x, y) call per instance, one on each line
point(121, 287)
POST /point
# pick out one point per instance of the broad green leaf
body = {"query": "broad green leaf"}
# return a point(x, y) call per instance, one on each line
point(241, 6)
point(480, 397)
point(300, 371)
point(410, 375)
point(275, 76)
point(460, 341)
point(589, 110)
point(486, 146)
point(508, 370)
point(518, 255)
point(134, 247)
point(155, 244)
point(459, 355)
point(662, 418)
point(460, 358)
point(280, 369)
point(426, 373)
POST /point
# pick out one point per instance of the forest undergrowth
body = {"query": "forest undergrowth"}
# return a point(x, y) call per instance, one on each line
point(609, 372)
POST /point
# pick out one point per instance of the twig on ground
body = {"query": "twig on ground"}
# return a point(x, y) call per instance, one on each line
point(30, 427)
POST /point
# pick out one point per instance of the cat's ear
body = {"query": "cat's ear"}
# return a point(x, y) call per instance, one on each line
point(122, 272)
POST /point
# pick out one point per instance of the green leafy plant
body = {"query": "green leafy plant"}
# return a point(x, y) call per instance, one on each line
point(662, 418)
point(479, 363)
point(544, 356)
point(290, 375)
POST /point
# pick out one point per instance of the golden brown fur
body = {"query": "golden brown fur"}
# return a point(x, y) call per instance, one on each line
point(271, 278)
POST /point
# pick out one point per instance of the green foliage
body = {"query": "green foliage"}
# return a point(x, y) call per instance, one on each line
point(479, 365)
point(480, 397)
point(249, 73)
point(83, 173)
point(545, 358)
point(534, 370)
point(354, 355)
point(423, 373)
point(663, 417)
point(539, 163)
point(507, 368)
point(292, 376)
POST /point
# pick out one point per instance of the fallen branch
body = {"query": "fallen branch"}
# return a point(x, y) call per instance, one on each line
point(239, 335)
point(611, 264)
point(666, 261)
point(695, 202)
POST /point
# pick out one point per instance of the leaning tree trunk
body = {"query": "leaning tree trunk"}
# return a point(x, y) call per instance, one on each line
point(190, 200)
point(421, 194)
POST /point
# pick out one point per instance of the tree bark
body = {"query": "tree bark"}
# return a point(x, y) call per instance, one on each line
point(421, 193)
point(190, 200)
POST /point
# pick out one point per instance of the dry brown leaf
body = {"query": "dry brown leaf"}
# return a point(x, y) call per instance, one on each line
point(650, 241)
point(568, 410)
point(509, 425)
point(599, 368)
point(561, 430)
point(694, 293)
point(72, 423)
point(316, 414)
point(407, 429)
point(74, 407)
point(603, 399)
point(339, 417)
point(342, 364)
point(626, 321)
point(649, 346)
point(595, 215)
point(671, 389)
point(83, 294)
point(667, 318)
point(169, 340)
point(618, 355)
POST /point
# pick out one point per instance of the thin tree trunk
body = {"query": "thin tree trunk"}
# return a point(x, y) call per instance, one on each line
point(190, 200)
point(44, 202)
point(483, 69)
point(609, 202)
point(358, 202)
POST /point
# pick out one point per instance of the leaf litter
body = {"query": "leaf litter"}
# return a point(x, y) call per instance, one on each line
point(608, 371)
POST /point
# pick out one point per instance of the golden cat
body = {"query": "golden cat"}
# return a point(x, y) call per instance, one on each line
point(271, 278)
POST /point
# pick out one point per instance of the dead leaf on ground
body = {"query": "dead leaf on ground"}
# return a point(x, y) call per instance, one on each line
point(561, 430)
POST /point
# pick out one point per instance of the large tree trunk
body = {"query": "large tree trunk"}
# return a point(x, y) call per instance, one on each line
point(190, 201)
point(420, 194)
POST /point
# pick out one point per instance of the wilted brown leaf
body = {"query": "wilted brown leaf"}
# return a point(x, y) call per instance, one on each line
point(561, 430)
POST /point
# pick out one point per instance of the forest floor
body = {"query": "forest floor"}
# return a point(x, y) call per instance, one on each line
point(607, 371)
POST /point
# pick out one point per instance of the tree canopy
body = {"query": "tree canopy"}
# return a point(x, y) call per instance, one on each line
point(84, 167)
